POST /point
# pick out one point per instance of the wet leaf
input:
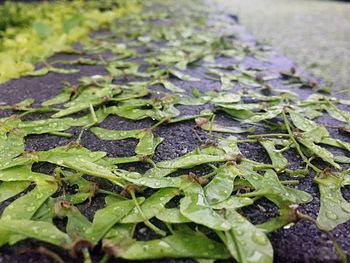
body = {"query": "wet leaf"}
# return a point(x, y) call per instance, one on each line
point(246, 242)
point(270, 187)
point(193, 160)
point(77, 223)
point(277, 158)
point(9, 189)
point(170, 86)
point(172, 215)
point(152, 206)
point(184, 242)
point(318, 151)
point(221, 186)
point(92, 96)
point(106, 218)
point(152, 182)
point(287, 216)
point(269, 114)
point(92, 169)
point(207, 126)
point(334, 208)
point(69, 153)
point(233, 202)
point(147, 143)
point(46, 126)
point(196, 207)
point(26, 206)
point(301, 122)
point(35, 229)
point(62, 97)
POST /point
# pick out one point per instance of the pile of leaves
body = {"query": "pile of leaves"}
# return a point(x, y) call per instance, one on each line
point(190, 206)
point(31, 32)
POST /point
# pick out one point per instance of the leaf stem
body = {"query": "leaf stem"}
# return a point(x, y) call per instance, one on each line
point(86, 255)
point(62, 134)
point(268, 135)
point(296, 144)
point(146, 221)
point(159, 123)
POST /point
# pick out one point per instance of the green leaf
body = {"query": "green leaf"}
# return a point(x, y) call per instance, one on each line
point(43, 30)
point(62, 97)
point(228, 98)
point(301, 122)
point(77, 223)
point(152, 182)
point(269, 114)
point(183, 243)
point(9, 189)
point(182, 76)
point(193, 160)
point(147, 143)
point(287, 216)
point(46, 126)
point(92, 169)
point(196, 93)
point(318, 151)
point(334, 208)
point(233, 202)
point(277, 158)
point(245, 241)
point(23, 173)
point(152, 206)
point(26, 206)
point(69, 153)
point(221, 186)
point(270, 187)
point(106, 218)
point(42, 231)
point(172, 215)
point(196, 207)
point(170, 86)
point(205, 124)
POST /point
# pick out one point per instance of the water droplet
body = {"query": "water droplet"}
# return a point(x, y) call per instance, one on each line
point(259, 238)
point(288, 226)
point(242, 242)
point(239, 232)
point(304, 198)
point(345, 207)
point(30, 208)
point(241, 220)
point(145, 247)
point(331, 215)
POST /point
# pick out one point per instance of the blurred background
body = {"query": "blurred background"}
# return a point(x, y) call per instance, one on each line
point(314, 33)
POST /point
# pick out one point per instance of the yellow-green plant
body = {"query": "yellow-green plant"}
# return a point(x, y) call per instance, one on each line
point(29, 33)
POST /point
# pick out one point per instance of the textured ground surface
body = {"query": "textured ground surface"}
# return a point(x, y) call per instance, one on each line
point(314, 33)
point(299, 243)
